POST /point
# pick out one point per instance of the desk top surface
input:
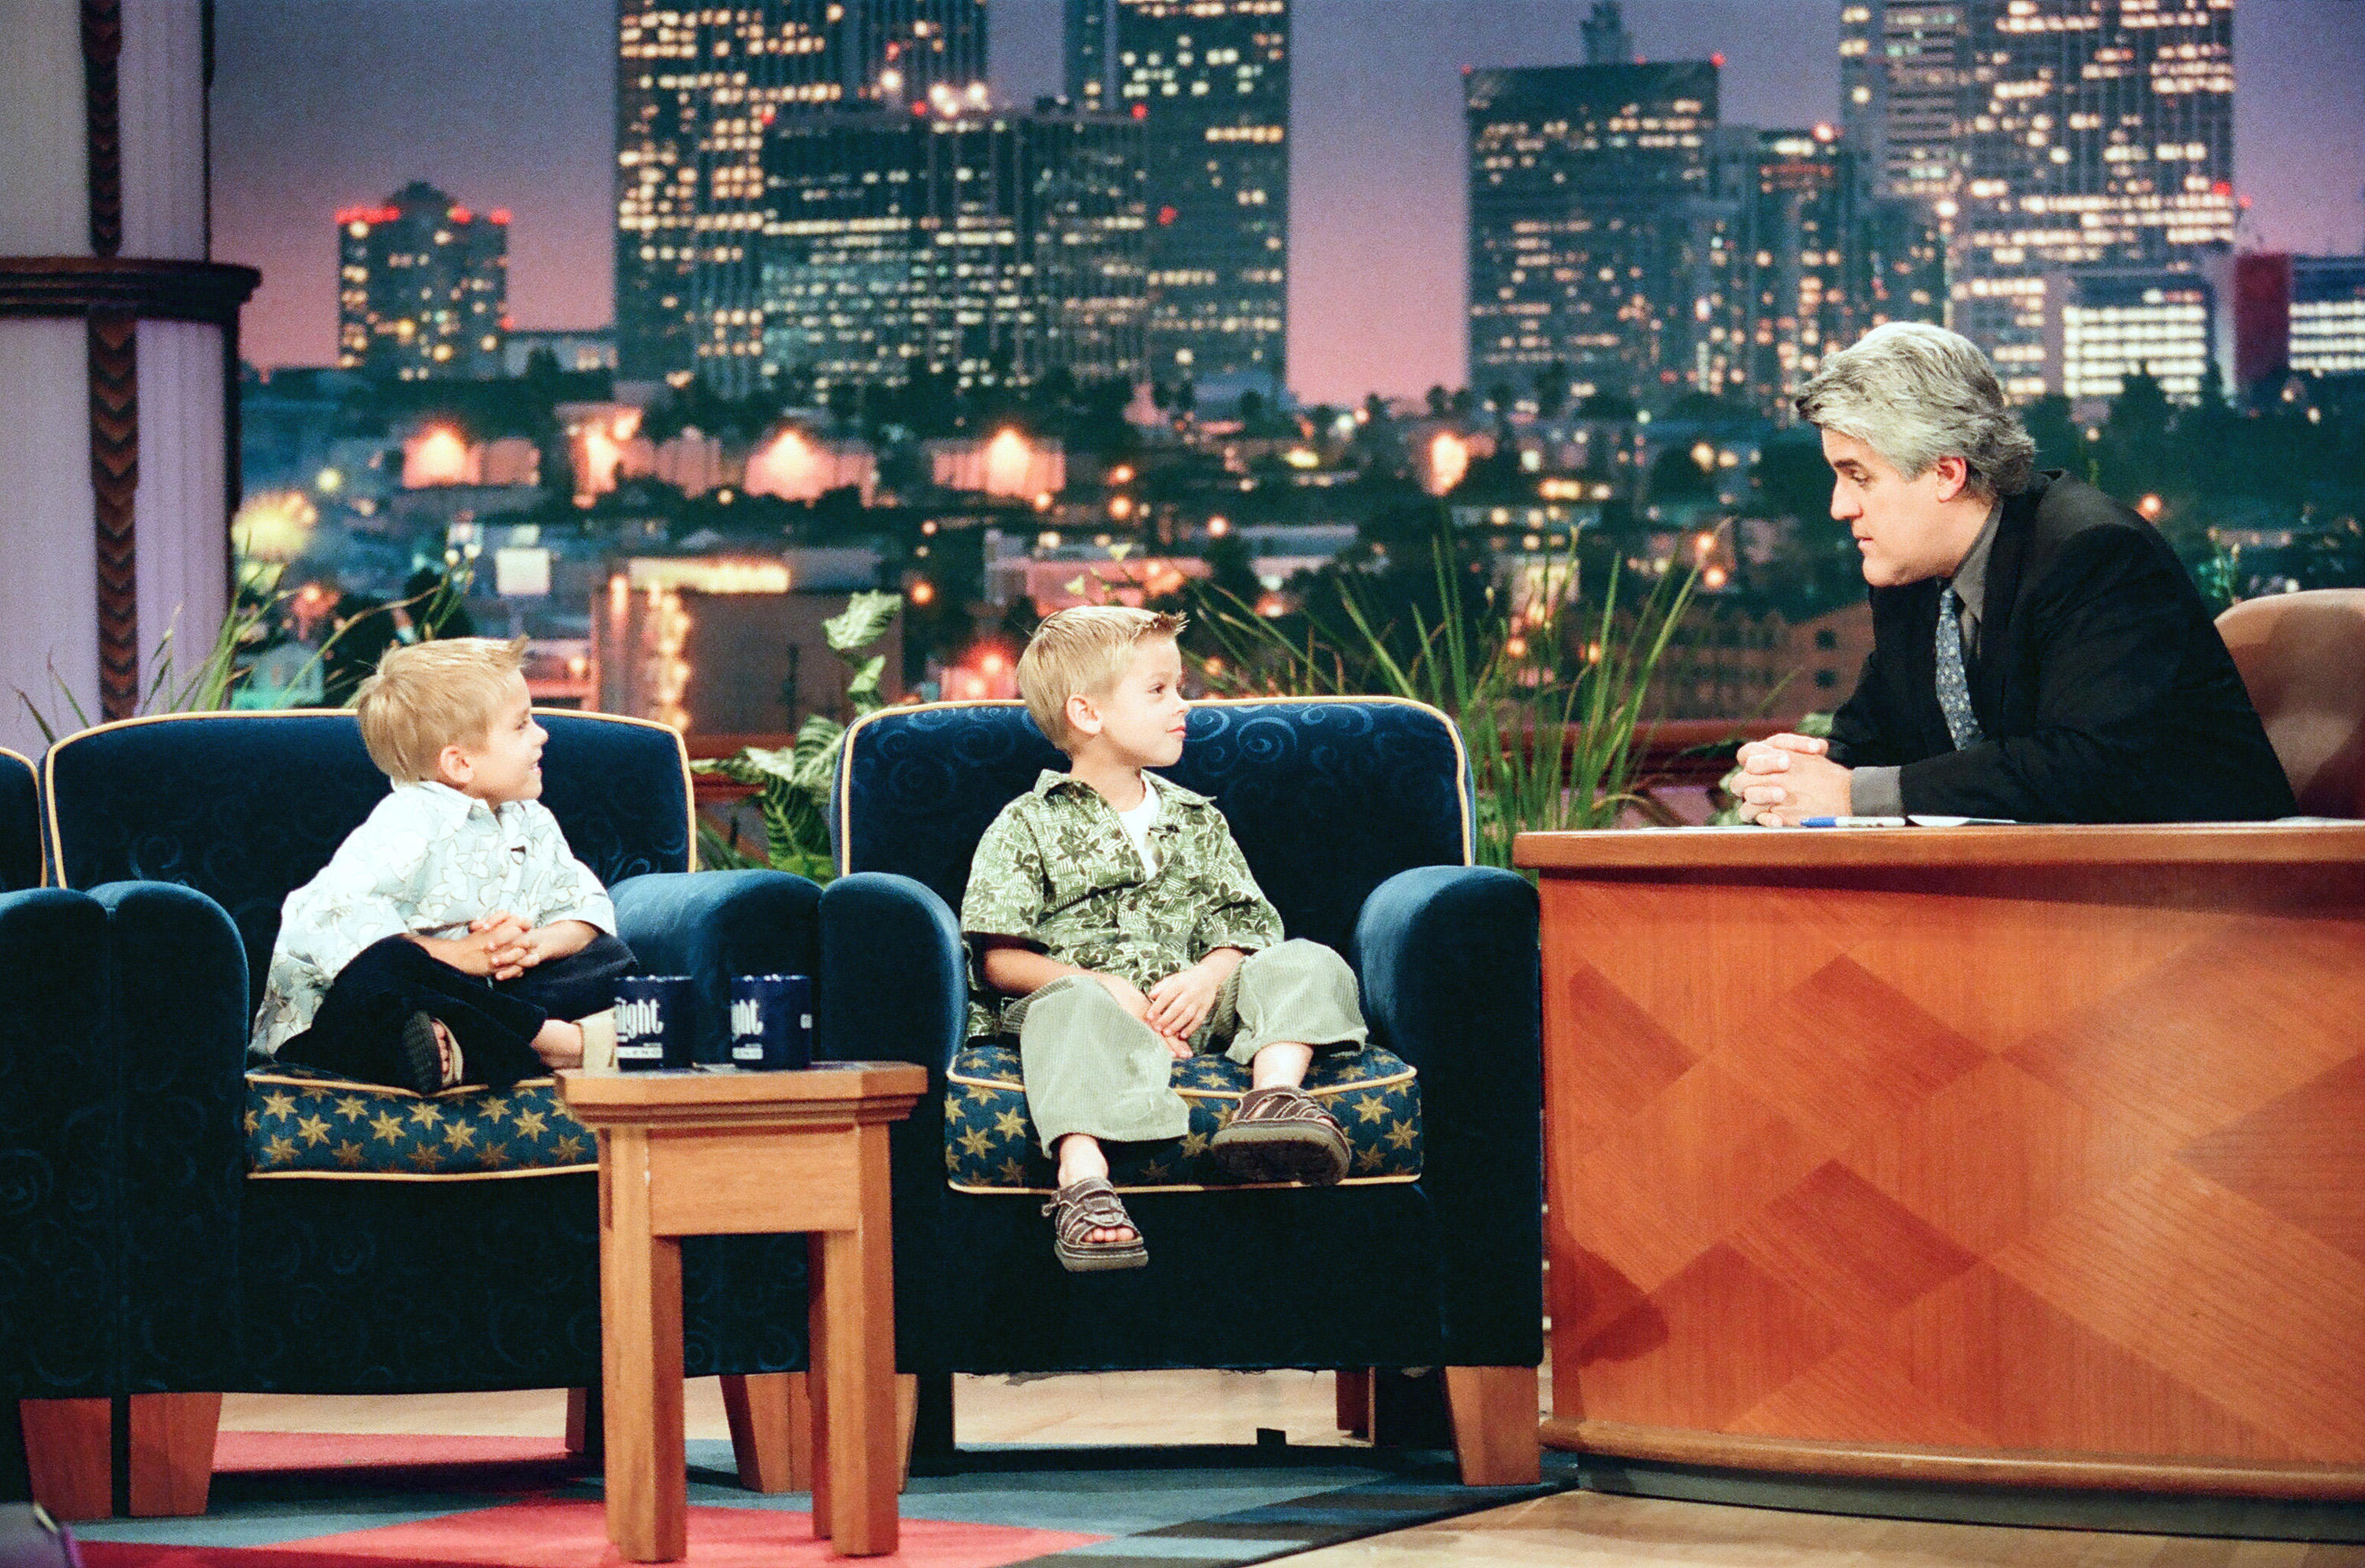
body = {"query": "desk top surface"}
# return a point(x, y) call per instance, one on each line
point(1756, 848)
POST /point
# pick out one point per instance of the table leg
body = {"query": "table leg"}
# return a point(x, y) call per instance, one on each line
point(816, 1380)
point(857, 1290)
point(640, 1301)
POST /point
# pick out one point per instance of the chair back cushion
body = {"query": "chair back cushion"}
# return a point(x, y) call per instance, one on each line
point(1328, 797)
point(2302, 658)
point(248, 807)
point(20, 823)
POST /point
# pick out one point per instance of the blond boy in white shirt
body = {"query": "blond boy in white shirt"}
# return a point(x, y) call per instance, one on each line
point(453, 938)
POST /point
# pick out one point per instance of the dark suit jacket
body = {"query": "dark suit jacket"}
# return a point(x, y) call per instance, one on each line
point(2101, 684)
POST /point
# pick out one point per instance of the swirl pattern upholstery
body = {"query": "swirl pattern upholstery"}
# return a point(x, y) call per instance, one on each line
point(21, 823)
point(1355, 815)
point(60, 1173)
point(190, 832)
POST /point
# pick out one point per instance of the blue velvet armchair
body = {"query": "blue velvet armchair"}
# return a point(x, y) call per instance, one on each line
point(1356, 817)
point(58, 1333)
point(189, 831)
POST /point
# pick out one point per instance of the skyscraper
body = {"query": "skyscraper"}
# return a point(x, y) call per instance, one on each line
point(1596, 243)
point(2049, 136)
point(991, 247)
point(423, 287)
point(1209, 81)
point(695, 87)
point(1817, 260)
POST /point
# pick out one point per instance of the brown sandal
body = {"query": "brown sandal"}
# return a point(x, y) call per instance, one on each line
point(1079, 1209)
point(1281, 1135)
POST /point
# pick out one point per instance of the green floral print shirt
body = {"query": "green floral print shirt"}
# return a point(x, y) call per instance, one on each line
point(1057, 871)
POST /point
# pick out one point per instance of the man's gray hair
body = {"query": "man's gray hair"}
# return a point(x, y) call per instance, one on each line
point(1915, 394)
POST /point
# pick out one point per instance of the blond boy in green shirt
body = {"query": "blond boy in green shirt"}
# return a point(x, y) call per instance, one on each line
point(1117, 910)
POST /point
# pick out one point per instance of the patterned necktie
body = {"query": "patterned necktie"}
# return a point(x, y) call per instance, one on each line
point(1954, 686)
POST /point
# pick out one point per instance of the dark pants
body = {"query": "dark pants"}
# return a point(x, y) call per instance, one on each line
point(357, 1033)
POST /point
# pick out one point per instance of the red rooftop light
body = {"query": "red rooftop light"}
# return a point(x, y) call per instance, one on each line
point(499, 214)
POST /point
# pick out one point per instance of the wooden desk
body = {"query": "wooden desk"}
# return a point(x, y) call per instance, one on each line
point(2029, 1155)
point(737, 1153)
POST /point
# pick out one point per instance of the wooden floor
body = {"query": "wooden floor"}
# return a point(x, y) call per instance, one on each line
point(1578, 1530)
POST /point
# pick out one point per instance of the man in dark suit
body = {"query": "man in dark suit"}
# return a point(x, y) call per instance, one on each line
point(2039, 653)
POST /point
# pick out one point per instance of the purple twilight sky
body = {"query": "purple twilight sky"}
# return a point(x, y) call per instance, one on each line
point(319, 104)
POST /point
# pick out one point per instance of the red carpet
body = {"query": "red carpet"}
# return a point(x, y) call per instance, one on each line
point(537, 1530)
point(359, 1450)
point(575, 1535)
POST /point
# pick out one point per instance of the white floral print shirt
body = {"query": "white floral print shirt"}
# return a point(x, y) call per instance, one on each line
point(427, 861)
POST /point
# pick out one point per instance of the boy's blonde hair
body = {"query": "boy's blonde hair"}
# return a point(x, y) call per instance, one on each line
point(1083, 652)
point(426, 696)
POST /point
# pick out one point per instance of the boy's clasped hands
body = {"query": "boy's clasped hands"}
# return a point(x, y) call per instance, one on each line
point(500, 945)
point(1176, 1006)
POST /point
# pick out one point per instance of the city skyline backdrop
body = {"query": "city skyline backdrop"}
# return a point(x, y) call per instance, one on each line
point(319, 106)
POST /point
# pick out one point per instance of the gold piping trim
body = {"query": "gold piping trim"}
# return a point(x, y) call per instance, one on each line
point(31, 768)
point(1407, 1076)
point(49, 759)
point(1460, 752)
point(1245, 1187)
point(453, 1092)
point(418, 1175)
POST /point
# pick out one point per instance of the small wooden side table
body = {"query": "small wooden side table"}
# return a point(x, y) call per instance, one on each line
point(726, 1153)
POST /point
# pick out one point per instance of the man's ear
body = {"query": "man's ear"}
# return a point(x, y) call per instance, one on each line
point(1954, 476)
point(1083, 717)
point(454, 768)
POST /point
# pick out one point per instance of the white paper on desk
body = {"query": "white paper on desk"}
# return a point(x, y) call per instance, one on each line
point(1925, 821)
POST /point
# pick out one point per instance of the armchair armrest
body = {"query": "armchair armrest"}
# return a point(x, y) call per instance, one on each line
point(1449, 964)
point(898, 986)
point(711, 925)
point(178, 970)
point(59, 1151)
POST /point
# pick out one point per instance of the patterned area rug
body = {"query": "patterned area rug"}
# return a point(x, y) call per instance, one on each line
point(296, 1500)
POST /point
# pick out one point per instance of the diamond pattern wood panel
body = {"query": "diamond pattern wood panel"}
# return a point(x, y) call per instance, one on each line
point(2064, 1163)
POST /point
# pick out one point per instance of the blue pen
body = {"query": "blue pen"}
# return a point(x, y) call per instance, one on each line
point(1853, 822)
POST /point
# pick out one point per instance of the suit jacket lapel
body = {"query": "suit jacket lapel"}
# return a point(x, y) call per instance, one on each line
point(1990, 669)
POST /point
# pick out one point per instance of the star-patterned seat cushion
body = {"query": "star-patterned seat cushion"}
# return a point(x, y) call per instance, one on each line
point(306, 1124)
point(991, 1146)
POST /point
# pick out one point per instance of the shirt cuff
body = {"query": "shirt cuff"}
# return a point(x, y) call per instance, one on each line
point(1875, 793)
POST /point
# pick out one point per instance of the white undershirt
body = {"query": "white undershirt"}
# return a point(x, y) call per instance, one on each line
point(1137, 824)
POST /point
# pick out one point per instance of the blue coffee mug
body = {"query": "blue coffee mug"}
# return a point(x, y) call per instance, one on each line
point(771, 1022)
point(654, 1022)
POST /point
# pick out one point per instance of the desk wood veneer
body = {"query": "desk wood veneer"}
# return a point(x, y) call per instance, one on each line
point(739, 1153)
point(2023, 1156)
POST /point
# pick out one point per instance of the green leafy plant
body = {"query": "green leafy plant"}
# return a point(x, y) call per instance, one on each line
point(792, 781)
point(1551, 726)
point(220, 674)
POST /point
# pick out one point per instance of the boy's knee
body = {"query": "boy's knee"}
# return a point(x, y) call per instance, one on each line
point(1305, 955)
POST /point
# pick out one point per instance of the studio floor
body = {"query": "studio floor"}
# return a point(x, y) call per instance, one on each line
point(1582, 1528)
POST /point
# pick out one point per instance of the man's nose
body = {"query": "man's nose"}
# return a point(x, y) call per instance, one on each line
point(1843, 505)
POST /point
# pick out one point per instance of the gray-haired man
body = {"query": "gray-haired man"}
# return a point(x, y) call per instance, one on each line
point(2039, 653)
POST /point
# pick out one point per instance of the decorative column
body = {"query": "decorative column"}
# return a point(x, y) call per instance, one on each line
point(118, 359)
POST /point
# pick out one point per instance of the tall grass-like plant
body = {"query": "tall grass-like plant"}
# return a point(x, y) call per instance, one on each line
point(1551, 726)
point(792, 781)
point(209, 687)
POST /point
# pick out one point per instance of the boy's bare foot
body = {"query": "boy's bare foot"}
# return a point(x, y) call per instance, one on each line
point(559, 1044)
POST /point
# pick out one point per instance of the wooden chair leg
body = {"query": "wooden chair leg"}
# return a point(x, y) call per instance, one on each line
point(1355, 1402)
point(70, 1455)
point(1496, 1425)
point(173, 1453)
point(763, 1409)
point(585, 1416)
point(907, 1424)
